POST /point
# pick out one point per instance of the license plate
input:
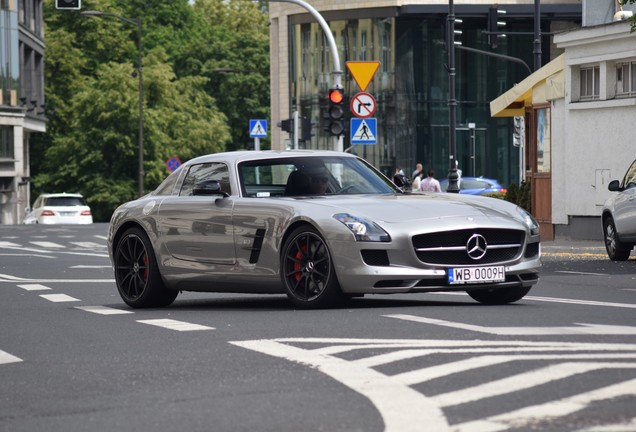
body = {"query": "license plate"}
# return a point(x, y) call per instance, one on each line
point(68, 213)
point(471, 275)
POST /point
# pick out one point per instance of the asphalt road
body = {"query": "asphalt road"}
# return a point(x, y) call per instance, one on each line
point(74, 357)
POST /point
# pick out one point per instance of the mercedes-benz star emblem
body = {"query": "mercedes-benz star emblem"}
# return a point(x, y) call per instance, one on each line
point(476, 246)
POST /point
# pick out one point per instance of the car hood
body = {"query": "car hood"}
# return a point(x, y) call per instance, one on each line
point(402, 208)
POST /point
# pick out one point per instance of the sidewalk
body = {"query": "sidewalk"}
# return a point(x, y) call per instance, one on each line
point(573, 246)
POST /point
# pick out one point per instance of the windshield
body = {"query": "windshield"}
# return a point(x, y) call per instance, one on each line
point(300, 176)
point(65, 201)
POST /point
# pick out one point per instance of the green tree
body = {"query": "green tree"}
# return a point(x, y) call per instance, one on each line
point(92, 140)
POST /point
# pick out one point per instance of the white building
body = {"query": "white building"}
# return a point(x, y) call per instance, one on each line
point(589, 134)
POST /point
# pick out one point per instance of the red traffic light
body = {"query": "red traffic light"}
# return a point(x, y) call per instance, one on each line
point(336, 96)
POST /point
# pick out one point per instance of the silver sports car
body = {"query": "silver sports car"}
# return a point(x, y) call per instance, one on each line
point(319, 226)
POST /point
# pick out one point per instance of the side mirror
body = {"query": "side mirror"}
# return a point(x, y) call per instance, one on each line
point(614, 186)
point(401, 181)
point(208, 187)
point(27, 209)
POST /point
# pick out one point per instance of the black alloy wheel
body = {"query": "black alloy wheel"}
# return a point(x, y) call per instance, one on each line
point(307, 270)
point(136, 273)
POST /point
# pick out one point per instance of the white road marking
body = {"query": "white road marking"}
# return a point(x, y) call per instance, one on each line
point(581, 302)
point(88, 245)
point(14, 279)
point(527, 416)
point(5, 358)
point(581, 273)
point(4, 244)
point(175, 325)
point(34, 287)
point(103, 310)
point(582, 329)
point(524, 381)
point(101, 237)
point(59, 298)
point(90, 266)
point(47, 244)
point(402, 408)
point(28, 255)
point(617, 427)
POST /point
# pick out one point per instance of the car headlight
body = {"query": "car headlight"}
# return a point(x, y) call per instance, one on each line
point(529, 220)
point(363, 229)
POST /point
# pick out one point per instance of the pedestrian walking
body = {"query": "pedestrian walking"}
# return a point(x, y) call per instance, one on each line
point(429, 183)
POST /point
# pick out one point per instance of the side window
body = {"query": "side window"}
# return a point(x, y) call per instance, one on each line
point(630, 177)
point(206, 171)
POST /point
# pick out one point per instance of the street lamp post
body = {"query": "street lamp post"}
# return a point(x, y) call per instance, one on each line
point(453, 185)
point(136, 23)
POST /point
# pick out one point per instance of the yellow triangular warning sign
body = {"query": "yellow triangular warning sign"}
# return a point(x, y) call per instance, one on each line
point(363, 72)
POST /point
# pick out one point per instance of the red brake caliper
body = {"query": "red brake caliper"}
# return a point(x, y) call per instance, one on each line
point(298, 264)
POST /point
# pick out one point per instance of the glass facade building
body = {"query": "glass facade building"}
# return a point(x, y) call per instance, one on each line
point(411, 85)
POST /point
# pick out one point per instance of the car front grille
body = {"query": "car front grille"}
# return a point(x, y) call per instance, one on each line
point(450, 247)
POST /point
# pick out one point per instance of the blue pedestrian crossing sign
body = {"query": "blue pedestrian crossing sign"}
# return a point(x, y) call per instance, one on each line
point(364, 131)
point(258, 128)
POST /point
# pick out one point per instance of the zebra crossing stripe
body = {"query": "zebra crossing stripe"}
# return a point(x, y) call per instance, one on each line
point(59, 298)
point(524, 381)
point(5, 357)
point(543, 412)
point(8, 244)
point(175, 325)
point(103, 310)
point(46, 244)
point(88, 245)
point(34, 287)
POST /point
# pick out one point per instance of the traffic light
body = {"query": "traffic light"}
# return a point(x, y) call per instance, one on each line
point(518, 131)
point(495, 26)
point(287, 125)
point(68, 4)
point(335, 111)
point(305, 129)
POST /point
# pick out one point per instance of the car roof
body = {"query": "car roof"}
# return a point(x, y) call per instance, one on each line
point(61, 194)
point(249, 155)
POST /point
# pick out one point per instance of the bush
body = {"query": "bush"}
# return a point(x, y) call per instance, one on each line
point(520, 195)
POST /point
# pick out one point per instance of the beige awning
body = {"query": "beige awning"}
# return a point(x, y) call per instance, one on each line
point(542, 85)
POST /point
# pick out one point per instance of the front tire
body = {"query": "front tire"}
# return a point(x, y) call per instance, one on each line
point(307, 270)
point(616, 251)
point(137, 274)
point(499, 296)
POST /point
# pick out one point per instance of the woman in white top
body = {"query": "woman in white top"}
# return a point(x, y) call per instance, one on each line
point(430, 184)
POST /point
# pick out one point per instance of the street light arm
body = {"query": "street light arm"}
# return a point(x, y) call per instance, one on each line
point(95, 13)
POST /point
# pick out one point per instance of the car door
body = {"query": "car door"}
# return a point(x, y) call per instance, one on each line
point(199, 228)
point(625, 206)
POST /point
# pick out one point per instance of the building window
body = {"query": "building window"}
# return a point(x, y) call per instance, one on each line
point(626, 79)
point(6, 142)
point(590, 82)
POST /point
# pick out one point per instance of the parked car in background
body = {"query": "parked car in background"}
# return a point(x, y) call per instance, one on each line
point(59, 208)
point(619, 217)
point(319, 226)
point(475, 186)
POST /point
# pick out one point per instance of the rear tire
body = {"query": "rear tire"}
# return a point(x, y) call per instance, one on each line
point(307, 270)
point(616, 251)
point(499, 296)
point(137, 274)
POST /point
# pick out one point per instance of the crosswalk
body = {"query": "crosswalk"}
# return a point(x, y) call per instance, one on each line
point(49, 246)
point(374, 368)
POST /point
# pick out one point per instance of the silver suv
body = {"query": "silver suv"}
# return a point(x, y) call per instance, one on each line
point(619, 217)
